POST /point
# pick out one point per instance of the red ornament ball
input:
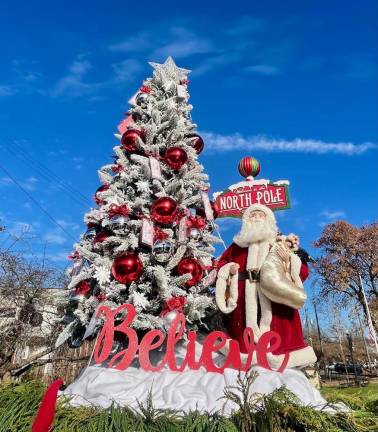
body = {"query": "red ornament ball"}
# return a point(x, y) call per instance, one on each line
point(83, 288)
point(129, 139)
point(249, 166)
point(164, 210)
point(175, 157)
point(197, 143)
point(215, 209)
point(127, 268)
point(100, 237)
point(98, 200)
point(190, 265)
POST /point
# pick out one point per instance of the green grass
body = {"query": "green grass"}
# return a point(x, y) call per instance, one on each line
point(369, 390)
point(275, 413)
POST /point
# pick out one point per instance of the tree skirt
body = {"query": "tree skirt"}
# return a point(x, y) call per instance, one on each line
point(184, 391)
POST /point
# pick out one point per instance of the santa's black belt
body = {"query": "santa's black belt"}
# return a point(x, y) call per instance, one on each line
point(252, 275)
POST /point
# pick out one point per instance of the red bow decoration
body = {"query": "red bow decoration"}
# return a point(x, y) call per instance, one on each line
point(159, 234)
point(117, 168)
point(145, 89)
point(214, 265)
point(173, 303)
point(196, 222)
point(116, 210)
point(74, 255)
point(184, 82)
point(101, 297)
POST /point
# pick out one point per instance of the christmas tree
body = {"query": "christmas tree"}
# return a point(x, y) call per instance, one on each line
point(149, 240)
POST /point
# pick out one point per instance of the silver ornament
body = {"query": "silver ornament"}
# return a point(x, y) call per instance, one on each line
point(118, 221)
point(90, 234)
point(194, 233)
point(142, 100)
point(169, 318)
point(162, 250)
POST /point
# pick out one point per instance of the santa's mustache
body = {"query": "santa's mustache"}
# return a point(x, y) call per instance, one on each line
point(254, 231)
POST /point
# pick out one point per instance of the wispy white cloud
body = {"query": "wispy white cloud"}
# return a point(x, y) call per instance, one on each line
point(228, 224)
point(76, 83)
point(135, 43)
point(67, 224)
point(263, 69)
point(224, 143)
point(163, 41)
point(55, 237)
point(72, 84)
point(30, 183)
point(330, 215)
point(7, 90)
point(184, 43)
point(5, 181)
point(125, 70)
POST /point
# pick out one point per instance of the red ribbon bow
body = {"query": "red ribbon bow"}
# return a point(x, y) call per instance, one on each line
point(115, 210)
point(145, 89)
point(159, 234)
point(173, 303)
point(117, 168)
point(196, 222)
point(74, 255)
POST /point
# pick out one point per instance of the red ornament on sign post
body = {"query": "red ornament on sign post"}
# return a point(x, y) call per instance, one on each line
point(249, 167)
point(127, 268)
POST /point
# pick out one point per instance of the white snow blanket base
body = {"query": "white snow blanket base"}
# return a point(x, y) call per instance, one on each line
point(184, 391)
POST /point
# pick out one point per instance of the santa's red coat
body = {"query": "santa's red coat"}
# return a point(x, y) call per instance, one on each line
point(285, 320)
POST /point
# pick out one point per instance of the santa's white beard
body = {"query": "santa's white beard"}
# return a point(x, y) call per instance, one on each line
point(255, 231)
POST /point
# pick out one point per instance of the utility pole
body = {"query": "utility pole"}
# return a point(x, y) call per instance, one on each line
point(343, 356)
point(370, 321)
point(319, 334)
point(363, 338)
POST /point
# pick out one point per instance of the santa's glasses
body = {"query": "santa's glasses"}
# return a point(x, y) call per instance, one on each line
point(257, 215)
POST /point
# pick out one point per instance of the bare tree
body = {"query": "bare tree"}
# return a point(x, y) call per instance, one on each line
point(29, 309)
point(348, 253)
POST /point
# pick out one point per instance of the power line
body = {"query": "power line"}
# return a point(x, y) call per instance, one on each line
point(49, 175)
point(37, 203)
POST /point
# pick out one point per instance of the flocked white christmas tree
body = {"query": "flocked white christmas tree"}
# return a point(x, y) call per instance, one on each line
point(149, 240)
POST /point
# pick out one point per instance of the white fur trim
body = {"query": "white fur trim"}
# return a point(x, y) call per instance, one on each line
point(221, 286)
point(257, 253)
point(252, 295)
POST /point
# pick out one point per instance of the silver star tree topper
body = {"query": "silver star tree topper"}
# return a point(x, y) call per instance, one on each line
point(169, 70)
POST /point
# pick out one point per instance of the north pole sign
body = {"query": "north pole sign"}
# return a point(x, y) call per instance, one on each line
point(233, 201)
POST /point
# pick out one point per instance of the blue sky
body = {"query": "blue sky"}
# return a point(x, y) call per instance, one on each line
point(294, 83)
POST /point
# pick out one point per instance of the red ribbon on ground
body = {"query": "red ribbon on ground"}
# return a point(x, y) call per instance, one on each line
point(46, 411)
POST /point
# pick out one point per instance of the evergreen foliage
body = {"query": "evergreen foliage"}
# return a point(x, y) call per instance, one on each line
point(277, 412)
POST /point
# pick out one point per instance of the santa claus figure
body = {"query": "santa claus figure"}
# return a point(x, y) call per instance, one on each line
point(259, 285)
